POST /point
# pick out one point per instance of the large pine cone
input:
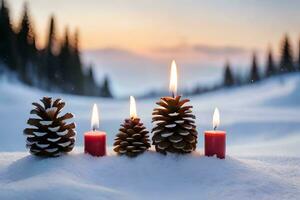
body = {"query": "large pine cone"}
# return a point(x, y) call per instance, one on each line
point(133, 138)
point(175, 129)
point(51, 135)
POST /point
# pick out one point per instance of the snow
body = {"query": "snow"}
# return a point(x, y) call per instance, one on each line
point(263, 134)
point(149, 176)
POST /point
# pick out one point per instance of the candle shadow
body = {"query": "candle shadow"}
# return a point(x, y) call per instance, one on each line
point(30, 166)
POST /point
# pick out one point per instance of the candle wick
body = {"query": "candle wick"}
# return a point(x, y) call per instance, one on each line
point(173, 94)
point(215, 128)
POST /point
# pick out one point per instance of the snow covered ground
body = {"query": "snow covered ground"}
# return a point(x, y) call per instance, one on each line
point(263, 134)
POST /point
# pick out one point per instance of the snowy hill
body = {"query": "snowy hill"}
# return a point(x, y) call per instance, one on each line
point(263, 126)
point(152, 70)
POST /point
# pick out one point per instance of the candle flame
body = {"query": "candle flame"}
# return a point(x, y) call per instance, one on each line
point(95, 118)
point(173, 79)
point(216, 118)
point(133, 113)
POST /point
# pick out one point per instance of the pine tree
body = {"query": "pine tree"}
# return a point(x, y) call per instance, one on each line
point(51, 35)
point(228, 76)
point(76, 46)
point(78, 78)
point(24, 41)
point(32, 72)
point(34, 50)
point(105, 91)
point(286, 61)
point(91, 87)
point(50, 71)
point(298, 56)
point(254, 74)
point(271, 68)
point(8, 54)
point(65, 67)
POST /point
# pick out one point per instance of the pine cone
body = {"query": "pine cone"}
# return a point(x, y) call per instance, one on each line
point(133, 138)
point(51, 135)
point(174, 130)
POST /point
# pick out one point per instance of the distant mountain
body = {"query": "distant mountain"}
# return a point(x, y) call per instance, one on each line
point(134, 73)
point(126, 69)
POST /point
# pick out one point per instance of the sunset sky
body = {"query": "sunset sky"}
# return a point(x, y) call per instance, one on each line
point(140, 37)
point(141, 25)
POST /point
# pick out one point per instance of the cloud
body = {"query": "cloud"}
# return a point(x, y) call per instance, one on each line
point(219, 50)
point(202, 49)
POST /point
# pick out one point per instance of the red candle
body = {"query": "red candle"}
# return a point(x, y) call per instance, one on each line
point(215, 140)
point(95, 141)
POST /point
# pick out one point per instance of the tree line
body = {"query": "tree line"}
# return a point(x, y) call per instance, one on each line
point(286, 64)
point(56, 67)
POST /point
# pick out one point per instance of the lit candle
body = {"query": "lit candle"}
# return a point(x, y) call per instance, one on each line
point(173, 79)
point(133, 138)
point(215, 140)
point(95, 141)
point(132, 108)
point(174, 128)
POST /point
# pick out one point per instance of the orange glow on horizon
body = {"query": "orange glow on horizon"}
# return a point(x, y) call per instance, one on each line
point(144, 25)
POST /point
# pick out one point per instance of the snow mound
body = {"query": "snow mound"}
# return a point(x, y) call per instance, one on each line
point(291, 96)
point(263, 134)
point(149, 176)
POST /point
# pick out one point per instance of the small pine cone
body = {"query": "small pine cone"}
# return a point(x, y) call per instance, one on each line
point(174, 130)
point(50, 134)
point(133, 138)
